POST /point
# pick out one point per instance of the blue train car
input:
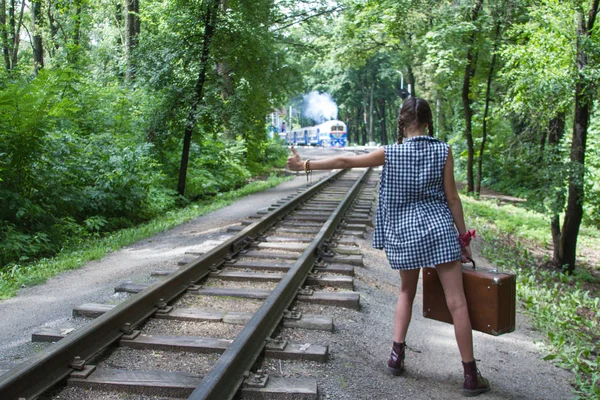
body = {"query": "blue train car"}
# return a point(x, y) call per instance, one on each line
point(328, 134)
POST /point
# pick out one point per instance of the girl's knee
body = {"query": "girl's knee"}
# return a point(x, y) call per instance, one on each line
point(456, 304)
point(408, 288)
point(407, 293)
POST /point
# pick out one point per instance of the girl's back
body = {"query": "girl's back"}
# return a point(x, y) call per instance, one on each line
point(415, 170)
point(414, 223)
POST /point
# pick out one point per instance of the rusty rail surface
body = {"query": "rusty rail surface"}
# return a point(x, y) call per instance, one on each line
point(226, 376)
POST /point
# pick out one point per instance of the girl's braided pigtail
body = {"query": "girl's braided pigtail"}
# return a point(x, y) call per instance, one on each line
point(400, 130)
point(430, 128)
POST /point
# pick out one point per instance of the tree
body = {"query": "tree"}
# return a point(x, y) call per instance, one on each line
point(466, 94)
point(132, 30)
point(11, 31)
point(38, 48)
point(502, 13)
point(82, 153)
point(584, 101)
point(210, 18)
point(540, 66)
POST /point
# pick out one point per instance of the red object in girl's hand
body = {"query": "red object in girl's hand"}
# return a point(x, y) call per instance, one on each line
point(465, 238)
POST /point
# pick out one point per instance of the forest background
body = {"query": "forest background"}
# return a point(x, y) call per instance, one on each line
point(116, 112)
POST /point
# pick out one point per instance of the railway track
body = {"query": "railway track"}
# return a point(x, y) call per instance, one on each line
point(298, 251)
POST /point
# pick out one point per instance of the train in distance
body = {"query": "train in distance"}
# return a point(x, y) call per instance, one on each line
point(331, 133)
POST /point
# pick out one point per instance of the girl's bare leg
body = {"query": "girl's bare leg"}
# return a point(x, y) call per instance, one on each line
point(406, 296)
point(451, 278)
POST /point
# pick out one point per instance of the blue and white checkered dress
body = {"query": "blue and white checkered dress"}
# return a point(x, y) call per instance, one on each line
point(413, 223)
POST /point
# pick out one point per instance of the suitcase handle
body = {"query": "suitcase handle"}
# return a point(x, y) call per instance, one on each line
point(469, 260)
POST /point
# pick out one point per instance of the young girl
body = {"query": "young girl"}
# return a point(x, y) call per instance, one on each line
point(418, 216)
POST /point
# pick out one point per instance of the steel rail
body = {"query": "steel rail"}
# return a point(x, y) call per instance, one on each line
point(224, 380)
point(52, 365)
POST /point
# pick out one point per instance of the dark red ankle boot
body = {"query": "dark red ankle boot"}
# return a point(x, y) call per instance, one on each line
point(395, 363)
point(474, 384)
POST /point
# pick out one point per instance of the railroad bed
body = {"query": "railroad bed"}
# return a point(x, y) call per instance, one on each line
point(215, 327)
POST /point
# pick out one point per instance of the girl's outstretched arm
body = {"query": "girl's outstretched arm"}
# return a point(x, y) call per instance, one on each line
point(372, 159)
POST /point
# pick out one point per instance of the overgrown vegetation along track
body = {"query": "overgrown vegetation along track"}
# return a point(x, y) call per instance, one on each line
point(294, 238)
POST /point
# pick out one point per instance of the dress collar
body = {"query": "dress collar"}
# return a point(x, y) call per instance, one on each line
point(418, 138)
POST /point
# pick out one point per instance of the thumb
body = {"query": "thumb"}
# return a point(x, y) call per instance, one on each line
point(294, 151)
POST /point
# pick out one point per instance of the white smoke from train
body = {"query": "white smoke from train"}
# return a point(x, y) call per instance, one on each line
point(320, 107)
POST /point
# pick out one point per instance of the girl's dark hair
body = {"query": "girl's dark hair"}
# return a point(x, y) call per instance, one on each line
point(414, 111)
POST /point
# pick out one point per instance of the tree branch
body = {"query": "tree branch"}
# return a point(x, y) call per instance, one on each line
point(327, 11)
point(29, 36)
point(289, 17)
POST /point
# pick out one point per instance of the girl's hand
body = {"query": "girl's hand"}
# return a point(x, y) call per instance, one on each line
point(295, 162)
point(466, 253)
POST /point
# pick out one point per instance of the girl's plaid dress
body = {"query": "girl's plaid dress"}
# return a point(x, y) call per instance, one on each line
point(413, 223)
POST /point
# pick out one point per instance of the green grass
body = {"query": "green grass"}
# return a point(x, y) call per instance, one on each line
point(511, 219)
point(558, 304)
point(15, 276)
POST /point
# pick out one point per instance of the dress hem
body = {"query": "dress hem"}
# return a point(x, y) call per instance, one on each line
point(424, 266)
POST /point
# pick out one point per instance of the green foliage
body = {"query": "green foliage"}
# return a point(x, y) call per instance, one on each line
point(446, 63)
point(540, 75)
point(82, 152)
point(66, 175)
point(26, 272)
point(275, 153)
point(592, 180)
point(248, 74)
point(545, 41)
point(217, 167)
point(559, 305)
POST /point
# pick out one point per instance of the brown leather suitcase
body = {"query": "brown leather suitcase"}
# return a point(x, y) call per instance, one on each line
point(490, 298)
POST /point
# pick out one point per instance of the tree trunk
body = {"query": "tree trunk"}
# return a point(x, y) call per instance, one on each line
point(223, 69)
point(77, 25)
point(38, 49)
point(11, 34)
point(360, 126)
point(12, 24)
point(574, 211)
point(382, 120)
point(447, 116)
point(441, 121)
point(411, 80)
point(4, 32)
point(132, 29)
point(371, 135)
point(583, 105)
point(556, 129)
point(485, 112)
point(209, 30)
point(225, 73)
point(364, 128)
point(466, 91)
point(468, 128)
point(53, 31)
point(392, 123)
point(357, 124)
point(347, 121)
point(544, 135)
